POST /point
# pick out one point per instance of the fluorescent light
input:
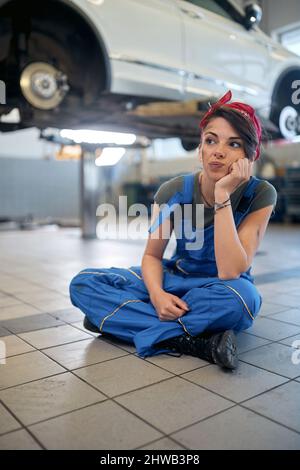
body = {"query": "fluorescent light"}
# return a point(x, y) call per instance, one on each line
point(98, 137)
point(110, 156)
point(12, 117)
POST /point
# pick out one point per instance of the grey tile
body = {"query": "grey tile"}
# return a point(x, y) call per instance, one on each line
point(31, 323)
point(173, 404)
point(280, 404)
point(293, 341)
point(177, 365)
point(103, 426)
point(272, 329)
point(287, 299)
point(68, 315)
point(246, 342)
point(238, 429)
point(4, 332)
point(14, 346)
point(132, 373)
point(54, 336)
point(18, 440)
point(46, 398)
point(83, 353)
point(239, 385)
point(275, 358)
point(295, 292)
point(7, 421)
point(270, 308)
point(162, 444)
point(289, 316)
point(27, 367)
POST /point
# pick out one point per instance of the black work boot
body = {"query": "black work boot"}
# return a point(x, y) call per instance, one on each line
point(218, 348)
point(90, 326)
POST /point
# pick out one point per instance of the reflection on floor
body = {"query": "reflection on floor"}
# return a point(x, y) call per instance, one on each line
point(64, 388)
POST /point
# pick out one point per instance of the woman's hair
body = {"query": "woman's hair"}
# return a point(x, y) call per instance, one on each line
point(243, 126)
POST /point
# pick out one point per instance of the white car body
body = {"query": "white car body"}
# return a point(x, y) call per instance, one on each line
point(176, 50)
point(171, 60)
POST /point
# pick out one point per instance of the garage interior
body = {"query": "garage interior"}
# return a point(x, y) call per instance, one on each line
point(63, 387)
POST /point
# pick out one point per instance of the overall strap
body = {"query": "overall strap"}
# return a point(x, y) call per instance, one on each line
point(188, 188)
point(180, 197)
point(248, 194)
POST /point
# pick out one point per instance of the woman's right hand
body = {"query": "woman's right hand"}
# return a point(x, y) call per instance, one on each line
point(168, 306)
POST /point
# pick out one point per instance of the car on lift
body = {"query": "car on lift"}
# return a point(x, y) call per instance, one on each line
point(98, 63)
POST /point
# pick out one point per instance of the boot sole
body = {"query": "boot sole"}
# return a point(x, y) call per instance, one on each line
point(227, 351)
point(89, 326)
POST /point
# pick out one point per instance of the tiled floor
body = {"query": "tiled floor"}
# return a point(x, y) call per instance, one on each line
point(65, 388)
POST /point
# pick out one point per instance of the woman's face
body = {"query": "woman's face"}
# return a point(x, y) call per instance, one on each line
point(220, 145)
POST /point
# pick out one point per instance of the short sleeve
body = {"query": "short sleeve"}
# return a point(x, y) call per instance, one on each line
point(265, 195)
point(167, 189)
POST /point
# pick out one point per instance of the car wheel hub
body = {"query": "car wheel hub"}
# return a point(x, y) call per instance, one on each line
point(43, 85)
point(289, 122)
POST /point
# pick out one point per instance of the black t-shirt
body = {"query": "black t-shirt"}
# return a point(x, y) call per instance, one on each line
point(265, 195)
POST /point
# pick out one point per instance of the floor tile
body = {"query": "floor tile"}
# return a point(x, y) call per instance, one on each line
point(54, 336)
point(131, 373)
point(80, 327)
point(68, 315)
point(177, 365)
point(289, 316)
point(246, 342)
point(46, 398)
point(7, 421)
point(15, 286)
point(31, 323)
point(7, 301)
point(14, 346)
point(275, 358)
point(272, 329)
point(241, 384)
point(41, 297)
point(238, 429)
point(18, 440)
point(269, 308)
point(17, 311)
point(163, 444)
point(117, 342)
point(83, 353)
point(293, 341)
point(173, 404)
point(280, 404)
point(27, 367)
point(4, 331)
point(52, 305)
point(103, 426)
point(287, 299)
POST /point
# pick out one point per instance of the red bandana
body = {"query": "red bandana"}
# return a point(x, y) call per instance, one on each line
point(243, 108)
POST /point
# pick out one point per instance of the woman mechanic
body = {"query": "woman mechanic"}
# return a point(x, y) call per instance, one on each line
point(194, 302)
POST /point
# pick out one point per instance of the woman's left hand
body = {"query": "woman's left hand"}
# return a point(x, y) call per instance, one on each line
point(239, 172)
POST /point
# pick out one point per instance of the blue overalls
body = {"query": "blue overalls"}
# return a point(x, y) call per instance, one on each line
point(116, 300)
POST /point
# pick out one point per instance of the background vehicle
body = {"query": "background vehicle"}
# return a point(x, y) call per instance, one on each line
point(93, 63)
